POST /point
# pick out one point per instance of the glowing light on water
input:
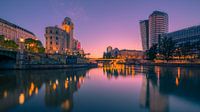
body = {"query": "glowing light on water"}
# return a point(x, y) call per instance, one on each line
point(5, 94)
point(36, 90)
point(21, 98)
point(57, 82)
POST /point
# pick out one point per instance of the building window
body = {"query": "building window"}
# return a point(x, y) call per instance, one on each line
point(56, 38)
point(56, 32)
point(50, 31)
point(51, 37)
point(50, 42)
point(56, 43)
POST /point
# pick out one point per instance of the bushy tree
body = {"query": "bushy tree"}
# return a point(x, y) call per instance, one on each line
point(6, 43)
point(151, 53)
point(1, 40)
point(35, 46)
point(166, 47)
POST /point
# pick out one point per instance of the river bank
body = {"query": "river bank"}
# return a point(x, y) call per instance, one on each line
point(50, 66)
point(171, 64)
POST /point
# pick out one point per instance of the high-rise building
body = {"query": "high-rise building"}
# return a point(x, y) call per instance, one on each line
point(144, 31)
point(158, 24)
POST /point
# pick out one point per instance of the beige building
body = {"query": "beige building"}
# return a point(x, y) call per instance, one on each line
point(14, 32)
point(60, 39)
point(131, 54)
point(68, 26)
point(56, 40)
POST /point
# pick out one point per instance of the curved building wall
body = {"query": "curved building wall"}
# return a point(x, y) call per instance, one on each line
point(14, 32)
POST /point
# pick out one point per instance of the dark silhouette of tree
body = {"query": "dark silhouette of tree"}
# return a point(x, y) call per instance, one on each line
point(186, 49)
point(151, 53)
point(166, 47)
point(197, 46)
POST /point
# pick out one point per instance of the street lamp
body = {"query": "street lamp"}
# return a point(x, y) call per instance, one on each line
point(21, 40)
point(21, 50)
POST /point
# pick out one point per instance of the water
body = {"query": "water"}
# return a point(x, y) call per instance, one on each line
point(110, 89)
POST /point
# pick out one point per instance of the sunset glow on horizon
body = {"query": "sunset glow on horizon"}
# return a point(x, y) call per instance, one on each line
point(99, 23)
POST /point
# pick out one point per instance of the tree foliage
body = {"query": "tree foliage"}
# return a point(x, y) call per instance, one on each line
point(34, 46)
point(6, 43)
point(166, 47)
point(151, 53)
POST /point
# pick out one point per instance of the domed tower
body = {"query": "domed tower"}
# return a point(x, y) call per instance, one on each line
point(68, 26)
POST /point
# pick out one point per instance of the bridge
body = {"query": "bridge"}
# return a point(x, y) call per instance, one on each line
point(8, 53)
point(108, 61)
point(116, 60)
point(8, 58)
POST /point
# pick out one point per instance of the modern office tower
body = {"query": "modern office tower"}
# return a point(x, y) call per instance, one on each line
point(144, 31)
point(158, 24)
point(14, 32)
point(68, 26)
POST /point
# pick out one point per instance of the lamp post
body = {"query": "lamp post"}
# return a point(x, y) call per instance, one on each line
point(21, 50)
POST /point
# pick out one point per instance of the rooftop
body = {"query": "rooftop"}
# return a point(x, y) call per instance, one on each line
point(15, 26)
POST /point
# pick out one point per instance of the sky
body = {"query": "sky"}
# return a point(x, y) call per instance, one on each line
point(99, 23)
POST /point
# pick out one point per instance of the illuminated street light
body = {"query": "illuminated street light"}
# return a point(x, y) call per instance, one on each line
point(21, 40)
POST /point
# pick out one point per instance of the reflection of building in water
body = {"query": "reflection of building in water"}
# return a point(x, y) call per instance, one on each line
point(60, 92)
point(122, 70)
point(152, 99)
point(162, 81)
point(17, 87)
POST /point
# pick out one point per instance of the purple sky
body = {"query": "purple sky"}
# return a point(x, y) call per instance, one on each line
point(99, 23)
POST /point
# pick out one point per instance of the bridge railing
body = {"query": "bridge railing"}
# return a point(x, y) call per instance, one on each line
point(8, 49)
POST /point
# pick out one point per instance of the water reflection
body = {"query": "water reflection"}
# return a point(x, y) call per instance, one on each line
point(161, 89)
point(159, 83)
point(17, 87)
point(164, 82)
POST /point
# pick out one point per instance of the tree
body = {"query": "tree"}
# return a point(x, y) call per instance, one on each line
point(6, 43)
point(198, 48)
point(34, 46)
point(1, 40)
point(166, 47)
point(151, 53)
point(10, 44)
point(186, 49)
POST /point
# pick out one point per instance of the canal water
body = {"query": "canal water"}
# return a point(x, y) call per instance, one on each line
point(115, 88)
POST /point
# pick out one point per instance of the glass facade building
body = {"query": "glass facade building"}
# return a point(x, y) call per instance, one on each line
point(144, 31)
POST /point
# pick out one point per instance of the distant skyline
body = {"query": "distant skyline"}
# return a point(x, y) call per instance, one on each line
point(99, 23)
